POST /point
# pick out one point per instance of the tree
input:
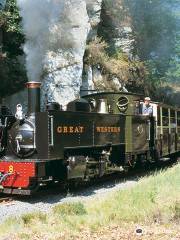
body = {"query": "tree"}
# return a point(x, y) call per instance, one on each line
point(154, 27)
point(12, 72)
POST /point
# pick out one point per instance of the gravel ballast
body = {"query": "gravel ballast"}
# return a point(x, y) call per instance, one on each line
point(44, 201)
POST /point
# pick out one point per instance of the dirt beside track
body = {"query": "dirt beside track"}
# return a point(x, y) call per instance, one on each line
point(117, 232)
point(130, 232)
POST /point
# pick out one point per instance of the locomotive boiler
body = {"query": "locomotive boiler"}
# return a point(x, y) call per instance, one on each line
point(98, 134)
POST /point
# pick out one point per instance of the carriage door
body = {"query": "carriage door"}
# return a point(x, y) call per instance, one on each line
point(172, 131)
point(178, 130)
point(159, 130)
point(153, 127)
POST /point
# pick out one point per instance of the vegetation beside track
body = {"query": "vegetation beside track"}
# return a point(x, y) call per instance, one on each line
point(153, 202)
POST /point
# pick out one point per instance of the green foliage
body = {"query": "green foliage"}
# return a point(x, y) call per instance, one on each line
point(11, 28)
point(173, 73)
point(116, 65)
point(155, 77)
point(176, 211)
point(154, 27)
point(13, 76)
point(31, 217)
point(10, 18)
point(156, 44)
point(12, 72)
point(96, 52)
point(145, 201)
point(67, 209)
point(155, 30)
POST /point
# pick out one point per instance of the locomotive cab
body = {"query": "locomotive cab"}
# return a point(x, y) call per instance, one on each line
point(140, 130)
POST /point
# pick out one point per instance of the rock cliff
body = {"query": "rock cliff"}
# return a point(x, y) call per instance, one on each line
point(57, 33)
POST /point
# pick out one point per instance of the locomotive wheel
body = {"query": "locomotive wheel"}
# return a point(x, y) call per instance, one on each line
point(34, 186)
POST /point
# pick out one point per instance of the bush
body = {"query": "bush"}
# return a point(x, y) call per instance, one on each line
point(36, 216)
point(70, 209)
point(130, 72)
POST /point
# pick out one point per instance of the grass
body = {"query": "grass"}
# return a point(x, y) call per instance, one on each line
point(71, 209)
point(154, 199)
point(29, 218)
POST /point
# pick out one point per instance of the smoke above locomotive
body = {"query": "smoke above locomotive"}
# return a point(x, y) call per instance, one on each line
point(56, 32)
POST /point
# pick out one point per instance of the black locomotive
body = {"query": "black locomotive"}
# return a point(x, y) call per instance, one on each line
point(98, 134)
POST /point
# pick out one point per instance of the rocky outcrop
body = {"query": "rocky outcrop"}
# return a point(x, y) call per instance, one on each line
point(94, 13)
point(63, 65)
point(116, 26)
point(94, 8)
point(57, 34)
point(113, 24)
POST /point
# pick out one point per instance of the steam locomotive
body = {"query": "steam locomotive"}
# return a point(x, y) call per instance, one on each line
point(97, 135)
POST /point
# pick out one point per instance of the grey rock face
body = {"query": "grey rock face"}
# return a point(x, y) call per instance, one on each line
point(124, 40)
point(94, 12)
point(116, 26)
point(63, 80)
point(63, 66)
point(56, 35)
point(87, 81)
point(110, 20)
point(94, 8)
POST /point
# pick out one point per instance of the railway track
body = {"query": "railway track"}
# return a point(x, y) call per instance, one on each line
point(49, 196)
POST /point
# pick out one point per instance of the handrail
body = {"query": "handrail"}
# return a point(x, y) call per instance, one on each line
point(4, 176)
point(51, 130)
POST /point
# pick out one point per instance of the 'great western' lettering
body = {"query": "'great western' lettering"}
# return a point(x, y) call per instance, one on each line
point(81, 129)
point(108, 129)
point(70, 129)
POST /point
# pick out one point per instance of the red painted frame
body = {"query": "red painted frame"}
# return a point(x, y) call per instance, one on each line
point(21, 173)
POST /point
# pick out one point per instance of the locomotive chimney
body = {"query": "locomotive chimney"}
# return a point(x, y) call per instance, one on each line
point(33, 97)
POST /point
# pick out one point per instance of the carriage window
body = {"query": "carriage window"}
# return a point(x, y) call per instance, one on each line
point(158, 116)
point(165, 117)
point(173, 118)
point(178, 119)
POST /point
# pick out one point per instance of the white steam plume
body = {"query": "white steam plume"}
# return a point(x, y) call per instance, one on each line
point(56, 32)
